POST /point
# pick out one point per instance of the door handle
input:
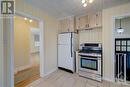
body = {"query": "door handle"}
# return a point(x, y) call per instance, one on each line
point(71, 46)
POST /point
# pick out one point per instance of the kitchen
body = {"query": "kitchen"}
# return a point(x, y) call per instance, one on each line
point(84, 52)
point(84, 43)
point(88, 54)
point(83, 33)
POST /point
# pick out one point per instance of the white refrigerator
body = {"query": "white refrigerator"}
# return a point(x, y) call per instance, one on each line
point(67, 46)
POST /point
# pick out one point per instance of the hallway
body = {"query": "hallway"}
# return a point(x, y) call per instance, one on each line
point(27, 76)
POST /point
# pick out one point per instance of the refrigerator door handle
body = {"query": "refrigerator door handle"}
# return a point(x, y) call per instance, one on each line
point(71, 46)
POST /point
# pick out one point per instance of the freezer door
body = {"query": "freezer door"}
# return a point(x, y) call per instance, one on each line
point(64, 38)
point(64, 57)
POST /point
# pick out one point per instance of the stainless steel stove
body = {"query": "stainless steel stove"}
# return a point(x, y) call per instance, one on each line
point(90, 61)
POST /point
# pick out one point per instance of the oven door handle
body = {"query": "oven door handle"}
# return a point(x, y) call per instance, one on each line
point(92, 58)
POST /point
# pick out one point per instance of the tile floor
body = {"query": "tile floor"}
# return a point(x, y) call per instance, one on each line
point(65, 79)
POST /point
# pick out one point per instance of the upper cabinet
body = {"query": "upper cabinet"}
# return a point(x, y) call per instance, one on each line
point(89, 21)
point(82, 22)
point(67, 25)
point(71, 24)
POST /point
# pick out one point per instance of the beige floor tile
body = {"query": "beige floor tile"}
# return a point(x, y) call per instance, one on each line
point(35, 83)
point(93, 83)
point(90, 85)
point(64, 79)
point(69, 82)
point(115, 85)
point(59, 82)
point(126, 85)
point(80, 82)
point(104, 84)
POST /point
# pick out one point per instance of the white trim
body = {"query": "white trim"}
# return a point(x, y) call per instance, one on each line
point(108, 79)
point(42, 48)
point(48, 73)
point(113, 51)
point(42, 56)
point(35, 30)
point(18, 69)
point(15, 71)
point(2, 55)
point(12, 51)
point(27, 15)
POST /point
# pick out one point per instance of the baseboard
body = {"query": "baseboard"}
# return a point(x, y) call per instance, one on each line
point(108, 79)
point(18, 69)
point(15, 71)
point(55, 69)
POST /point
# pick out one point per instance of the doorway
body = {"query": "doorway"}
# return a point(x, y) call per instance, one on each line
point(122, 49)
point(28, 50)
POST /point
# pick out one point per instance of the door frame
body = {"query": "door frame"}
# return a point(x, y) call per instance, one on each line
point(42, 41)
point(113, 38)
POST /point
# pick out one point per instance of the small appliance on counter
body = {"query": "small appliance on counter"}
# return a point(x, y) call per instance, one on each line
point(90, 61)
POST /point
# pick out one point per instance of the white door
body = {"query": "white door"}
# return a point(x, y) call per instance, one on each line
point(64, 57)
point(64, 38)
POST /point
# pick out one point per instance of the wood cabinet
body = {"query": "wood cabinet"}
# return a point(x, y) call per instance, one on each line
point(82, 22)
point(98, 17)
point(67, 25)
point(89, 21)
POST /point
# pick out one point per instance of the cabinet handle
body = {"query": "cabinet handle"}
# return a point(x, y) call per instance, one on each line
point(86, 25)
point(68, 29)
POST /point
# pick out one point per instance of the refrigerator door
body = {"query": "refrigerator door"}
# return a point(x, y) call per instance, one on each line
point(64, 57)
point(64, 38)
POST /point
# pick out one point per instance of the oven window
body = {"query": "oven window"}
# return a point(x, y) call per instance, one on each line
point(89, 64)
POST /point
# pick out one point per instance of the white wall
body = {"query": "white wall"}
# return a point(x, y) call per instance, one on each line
point(90, 36)
point(125, 22)
point(108, 38)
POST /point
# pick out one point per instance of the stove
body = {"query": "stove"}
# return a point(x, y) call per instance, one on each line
point(90, 61)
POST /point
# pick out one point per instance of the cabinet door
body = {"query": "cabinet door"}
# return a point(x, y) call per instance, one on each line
point(82, 22)
point(65, 25)
point(98, 19)
point(62, 26)
point(59, 26)
point(91, 19)
point(71, 24)
point(77, 23)
point(95, 20)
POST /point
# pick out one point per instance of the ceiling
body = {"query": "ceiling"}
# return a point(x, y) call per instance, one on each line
point(63, 8)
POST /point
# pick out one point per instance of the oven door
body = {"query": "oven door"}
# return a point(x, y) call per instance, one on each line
point(90, 65)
